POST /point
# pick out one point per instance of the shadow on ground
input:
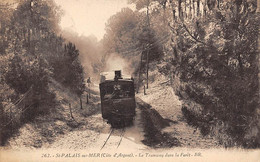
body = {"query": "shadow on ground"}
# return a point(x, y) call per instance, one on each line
point(153, 124)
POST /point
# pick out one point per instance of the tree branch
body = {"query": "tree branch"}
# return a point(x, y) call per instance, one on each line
point(172, 28)
point(192, 35)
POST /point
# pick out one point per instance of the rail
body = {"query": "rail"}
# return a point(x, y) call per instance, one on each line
point(109, 135)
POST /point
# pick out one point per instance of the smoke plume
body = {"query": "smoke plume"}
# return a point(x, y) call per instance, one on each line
point(117, 62)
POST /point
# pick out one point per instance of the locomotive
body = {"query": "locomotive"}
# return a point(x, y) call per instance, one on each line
point(117, 99)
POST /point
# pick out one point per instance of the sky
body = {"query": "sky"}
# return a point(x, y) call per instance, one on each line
point(88, 17)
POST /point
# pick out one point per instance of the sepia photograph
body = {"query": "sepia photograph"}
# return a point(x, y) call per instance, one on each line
point(129, 80)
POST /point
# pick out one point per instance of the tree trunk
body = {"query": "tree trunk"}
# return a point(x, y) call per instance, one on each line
point(198, 8)
point(193, 7)
point(173, 12)
point(147, 12)
point(257, 56)
point(139, 75)
point(179, 9)
point(71, 112)
point(204, 8)
point(147, 68)
point(190, 14)
point(258, 8)
point(185, 9)
point(164, 8)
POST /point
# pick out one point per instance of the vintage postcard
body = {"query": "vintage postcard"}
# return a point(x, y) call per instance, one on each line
point(129, 80)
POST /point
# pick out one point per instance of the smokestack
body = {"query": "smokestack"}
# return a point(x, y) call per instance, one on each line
point(118, 75)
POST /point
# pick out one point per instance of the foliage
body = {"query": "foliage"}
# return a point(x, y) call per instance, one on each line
point(68, 69)
point(217, 62)
point(31, 53)
point(212, 59)
point(128, 35)
point(122, 32)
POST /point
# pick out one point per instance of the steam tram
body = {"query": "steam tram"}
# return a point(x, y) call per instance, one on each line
point(117, 99)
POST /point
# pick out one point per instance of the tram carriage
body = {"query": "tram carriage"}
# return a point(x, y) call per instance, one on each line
point(117, 99)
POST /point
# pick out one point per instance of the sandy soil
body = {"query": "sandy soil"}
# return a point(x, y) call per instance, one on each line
point(131, 136)
point(162, 98)
point(93, 135)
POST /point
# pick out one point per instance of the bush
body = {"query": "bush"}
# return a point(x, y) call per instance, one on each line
point(220, 73)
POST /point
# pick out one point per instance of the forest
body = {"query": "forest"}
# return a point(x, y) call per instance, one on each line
point(31, 54)
point(208, 49)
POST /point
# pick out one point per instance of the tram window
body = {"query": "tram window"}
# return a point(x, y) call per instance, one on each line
point(118, 91)
point(128, 90)
point(108, 91)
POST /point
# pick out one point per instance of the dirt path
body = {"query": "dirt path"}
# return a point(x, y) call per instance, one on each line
point(93, 135)
point(167, 104)
point(131, 137)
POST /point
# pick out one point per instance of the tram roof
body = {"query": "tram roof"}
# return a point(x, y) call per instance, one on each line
point(110, 76)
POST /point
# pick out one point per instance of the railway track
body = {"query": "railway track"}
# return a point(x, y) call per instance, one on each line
point(112, 131)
